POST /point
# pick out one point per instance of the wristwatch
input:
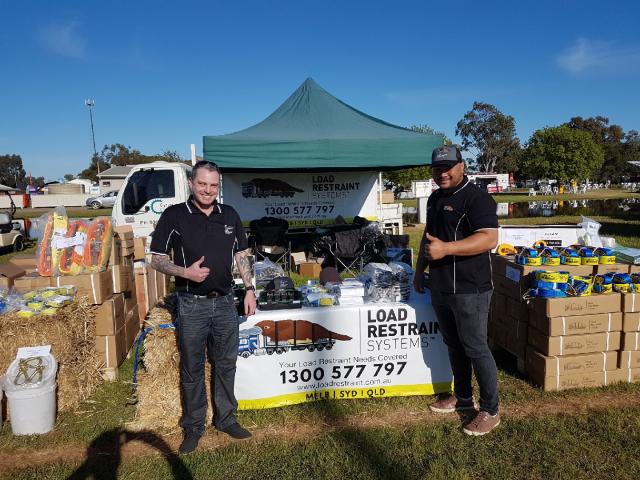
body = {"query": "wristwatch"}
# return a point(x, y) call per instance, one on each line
point(250, 287)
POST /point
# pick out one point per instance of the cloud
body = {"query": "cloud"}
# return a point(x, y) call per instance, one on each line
point(604, 57)
point(63, 39)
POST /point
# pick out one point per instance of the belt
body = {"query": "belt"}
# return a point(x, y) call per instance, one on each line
point(213, 294)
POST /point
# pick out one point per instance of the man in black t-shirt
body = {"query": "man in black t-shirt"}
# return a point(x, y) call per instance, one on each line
point(205, 237)
point(461, 230)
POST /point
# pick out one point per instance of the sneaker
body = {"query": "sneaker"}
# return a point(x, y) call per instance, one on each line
point(450, 404)
point(482, 424)
point(189, 443)
point(236, 431)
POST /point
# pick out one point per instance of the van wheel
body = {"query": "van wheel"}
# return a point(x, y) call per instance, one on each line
point(18, 244)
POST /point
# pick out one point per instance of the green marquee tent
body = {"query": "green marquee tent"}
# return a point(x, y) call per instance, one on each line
point(313, 130)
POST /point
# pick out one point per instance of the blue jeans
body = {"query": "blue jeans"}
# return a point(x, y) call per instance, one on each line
point(209, 324)
point(463, 321)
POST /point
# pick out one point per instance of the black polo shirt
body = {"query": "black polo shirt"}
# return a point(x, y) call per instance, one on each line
point(190, 234)
point(455, 214)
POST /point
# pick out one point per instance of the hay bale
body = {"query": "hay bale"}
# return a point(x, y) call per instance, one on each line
point(159, 400)
point(71, 334)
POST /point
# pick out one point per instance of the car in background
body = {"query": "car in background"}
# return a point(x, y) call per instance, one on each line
point(106, 200)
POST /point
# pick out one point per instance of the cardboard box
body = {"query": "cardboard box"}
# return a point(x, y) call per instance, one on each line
point(634, 268)
point(112, 349)
point(615, 268)
point(573, 344)
point(516, 336)
point(569, 306)
point(297, 258)
point(139, 245)
point(146, 291)
point(545, 366)
point(630, 341)
point(310, 269)
point(565, 382)
point(631, 322)
point(25, 260)
point(30, 281)
point(132, 326)
point(508, 288)
point(631, 302)
point(629, 359)
point(628, 375)
point(122, 278)
point(517, 309)
point(125, 234)
point(116, 255)
point(576, 324)
point(110, 315)
point(97, 286)
point(8, 273)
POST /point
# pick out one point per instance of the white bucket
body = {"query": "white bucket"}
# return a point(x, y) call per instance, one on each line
point(32, 406)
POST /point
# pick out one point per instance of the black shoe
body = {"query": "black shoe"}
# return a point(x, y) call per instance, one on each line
point(236, 431)
point(189, 443)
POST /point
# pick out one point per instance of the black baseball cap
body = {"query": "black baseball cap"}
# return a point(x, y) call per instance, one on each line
point(281, 283)
point(446, 156)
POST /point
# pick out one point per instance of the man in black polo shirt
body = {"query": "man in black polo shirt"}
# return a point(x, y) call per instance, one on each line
point(462, 228)
point(204, 237)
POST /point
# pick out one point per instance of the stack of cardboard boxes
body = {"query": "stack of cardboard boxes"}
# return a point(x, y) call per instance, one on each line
point(121, 301)
point(629, 356)
point(151, 285)
point(568, 342)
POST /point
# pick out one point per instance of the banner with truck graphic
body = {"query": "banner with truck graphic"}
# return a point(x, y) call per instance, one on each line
point(369, 351)
point(303, 199)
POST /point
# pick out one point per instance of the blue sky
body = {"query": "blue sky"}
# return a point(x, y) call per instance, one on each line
point(163, 74)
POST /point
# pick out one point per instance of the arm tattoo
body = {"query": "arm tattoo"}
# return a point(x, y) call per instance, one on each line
point(163, 264)
point(244, 266)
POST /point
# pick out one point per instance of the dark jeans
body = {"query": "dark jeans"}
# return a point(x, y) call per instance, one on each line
point(463, 322)
point(211, 324)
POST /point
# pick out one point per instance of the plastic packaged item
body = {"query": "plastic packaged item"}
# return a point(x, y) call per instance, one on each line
point(265, 271)
point(97, 246)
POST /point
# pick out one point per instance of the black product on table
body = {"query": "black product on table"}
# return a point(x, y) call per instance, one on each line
point(279, 299)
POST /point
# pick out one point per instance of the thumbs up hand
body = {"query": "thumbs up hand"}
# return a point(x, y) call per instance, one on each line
point(436, 248)
point(196, 272)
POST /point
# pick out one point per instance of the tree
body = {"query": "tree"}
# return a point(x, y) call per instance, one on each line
point(69, 176)
point(561, 153)
point(609, 137)
point(118, 154)
point(405, 176)
point(12, 173)
point(492, 134)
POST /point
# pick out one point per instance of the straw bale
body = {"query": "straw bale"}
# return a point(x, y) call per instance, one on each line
point(71, 334)
point(159, 401)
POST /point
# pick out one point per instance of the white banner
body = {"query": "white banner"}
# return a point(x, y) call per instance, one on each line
point(303, 199)
point(375, 350)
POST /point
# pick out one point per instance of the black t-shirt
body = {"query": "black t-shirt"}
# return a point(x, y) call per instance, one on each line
point(190, 234)
point(455, 214)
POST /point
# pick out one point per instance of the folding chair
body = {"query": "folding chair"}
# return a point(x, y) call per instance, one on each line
point(269, 240)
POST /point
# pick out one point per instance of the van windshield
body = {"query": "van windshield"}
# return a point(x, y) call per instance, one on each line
point(145, 185)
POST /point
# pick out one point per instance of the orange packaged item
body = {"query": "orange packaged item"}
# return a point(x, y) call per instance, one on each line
point(97, 247)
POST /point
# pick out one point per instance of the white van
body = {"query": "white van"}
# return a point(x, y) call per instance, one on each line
point(147, 191)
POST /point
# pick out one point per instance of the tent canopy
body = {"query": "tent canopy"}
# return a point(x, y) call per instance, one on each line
point(313, 130)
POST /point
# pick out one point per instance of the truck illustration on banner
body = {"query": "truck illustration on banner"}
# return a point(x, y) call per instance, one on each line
point(268, 187)
point(271, 336)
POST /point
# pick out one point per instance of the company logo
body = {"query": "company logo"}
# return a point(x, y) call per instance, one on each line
point(157, 206)
point(228, 229)
point(448, 208)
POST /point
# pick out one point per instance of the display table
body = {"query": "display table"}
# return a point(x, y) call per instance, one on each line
point(341, 352)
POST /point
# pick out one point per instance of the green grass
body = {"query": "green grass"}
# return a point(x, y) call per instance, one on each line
point(73, 212)
point(599, 445)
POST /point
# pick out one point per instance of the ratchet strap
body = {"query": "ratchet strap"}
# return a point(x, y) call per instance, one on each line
point(549, 256)
point(528, 256)
point(568, 256)
point(587, 256)
point(506, 249)
point(605, 256)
